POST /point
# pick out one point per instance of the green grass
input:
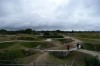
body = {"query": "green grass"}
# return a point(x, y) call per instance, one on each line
point(88, 40)
point(53, 36)
point(65, 40)
point(75, 56)
point(6, 44)
point(91, 61)
point(13, 54)
point(35, 44)
point(29, 38)
point(87, 35)
point(91, 41)
point(91, 46)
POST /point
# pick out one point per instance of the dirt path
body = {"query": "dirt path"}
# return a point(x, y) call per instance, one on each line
point(75, 40)
point(93, 53)
point(40, 60)
point(42, 57)
point(21, 41)
point(57, 44)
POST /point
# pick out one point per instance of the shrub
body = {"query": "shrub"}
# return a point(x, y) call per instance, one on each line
point(26, 38)
point(90, 46)
point(53, 36)
point(91, 61)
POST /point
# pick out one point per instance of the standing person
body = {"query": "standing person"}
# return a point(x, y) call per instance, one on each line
point(68, 46)
point(78, 45)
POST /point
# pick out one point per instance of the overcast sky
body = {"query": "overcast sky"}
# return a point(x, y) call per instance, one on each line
point(50, 14)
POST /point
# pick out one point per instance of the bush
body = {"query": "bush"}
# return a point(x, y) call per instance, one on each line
point(53, 36)
point(91, 61)
point(26, 38)
point(90, 46)
point(65, 40)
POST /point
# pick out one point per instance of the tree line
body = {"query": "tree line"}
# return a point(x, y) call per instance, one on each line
point(29, 31)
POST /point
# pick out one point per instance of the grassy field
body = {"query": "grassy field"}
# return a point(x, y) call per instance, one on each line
point(30, 37)
point(91, 41)
point(6, 44)
point(64, 40)
point(91, 46)
point(87, 35)
point(11, 54)
point(17, 50)
point(15, 55)
point(21, 50)
point(76, 57)
point(35, 44)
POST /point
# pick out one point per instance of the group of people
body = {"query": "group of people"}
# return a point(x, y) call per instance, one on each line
point(77, 46)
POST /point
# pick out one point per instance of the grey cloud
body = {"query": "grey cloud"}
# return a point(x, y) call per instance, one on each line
point(50, 14)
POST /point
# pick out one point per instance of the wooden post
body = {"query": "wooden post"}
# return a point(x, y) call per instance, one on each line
point(63, 64)
point(33, 63)
point(47, 64)
point(56, 65)
point(12, 62)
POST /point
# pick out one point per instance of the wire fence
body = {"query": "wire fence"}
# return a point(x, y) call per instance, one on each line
point(34, 65)
point(12, 63)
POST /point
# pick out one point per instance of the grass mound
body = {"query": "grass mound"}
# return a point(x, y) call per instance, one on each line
point(87, 35)
point(6, 44)
point(91, 61)
point(13, 54)
point(77, 58)
point(91, 46)
point(35, 44)
point(65, 40)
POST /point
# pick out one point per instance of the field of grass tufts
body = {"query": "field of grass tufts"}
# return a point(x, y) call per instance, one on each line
point(35, 44)
point(6, 44)
point(91, 46)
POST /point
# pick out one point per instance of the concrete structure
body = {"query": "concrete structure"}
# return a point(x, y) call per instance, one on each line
point(48, 40)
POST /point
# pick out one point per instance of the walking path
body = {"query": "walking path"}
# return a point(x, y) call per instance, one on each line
point(40, 59)
point(93, 53)
point(21, 41)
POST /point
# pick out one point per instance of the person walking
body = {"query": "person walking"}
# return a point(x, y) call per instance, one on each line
point(78, 45)
point(68, 47)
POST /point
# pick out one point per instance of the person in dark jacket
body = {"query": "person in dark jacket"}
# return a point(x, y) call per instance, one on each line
point(78, 45)
point(68, 46)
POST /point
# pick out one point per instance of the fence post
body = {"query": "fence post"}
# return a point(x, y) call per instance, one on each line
point(56, 65)
point(47, 64)
point(12, 62)
point(33, 63)
point(63, 64)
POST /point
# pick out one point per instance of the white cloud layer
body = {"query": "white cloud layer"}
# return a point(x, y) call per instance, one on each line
point(50, 14)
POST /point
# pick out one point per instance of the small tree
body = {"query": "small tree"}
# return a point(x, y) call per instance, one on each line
point(29, 31)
